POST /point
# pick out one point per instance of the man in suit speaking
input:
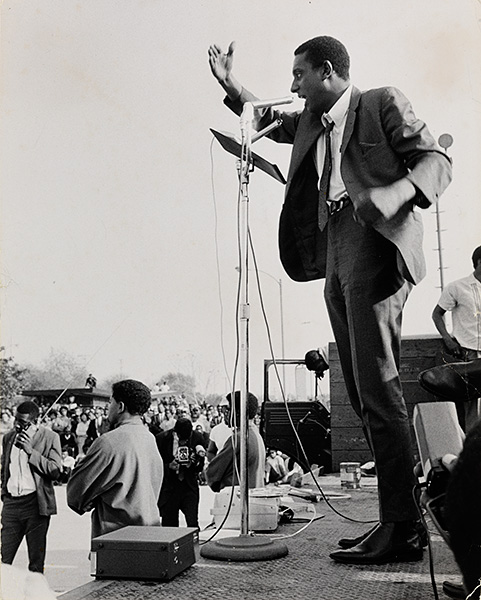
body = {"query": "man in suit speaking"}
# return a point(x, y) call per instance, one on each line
point(361, 165)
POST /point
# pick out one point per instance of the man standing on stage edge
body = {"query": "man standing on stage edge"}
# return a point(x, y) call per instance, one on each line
point(361, 164)
point(120, 477)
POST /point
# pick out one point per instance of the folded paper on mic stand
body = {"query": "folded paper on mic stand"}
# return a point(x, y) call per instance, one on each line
point(231, 145)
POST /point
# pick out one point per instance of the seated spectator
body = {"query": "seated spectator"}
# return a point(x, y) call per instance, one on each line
point(91, 382)
point(276, 471)
point(221, 471)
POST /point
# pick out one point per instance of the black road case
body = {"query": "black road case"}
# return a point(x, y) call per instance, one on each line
point(135, 552)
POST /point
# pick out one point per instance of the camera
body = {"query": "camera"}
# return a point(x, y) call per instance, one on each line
point(183, 455)
point(19, 427)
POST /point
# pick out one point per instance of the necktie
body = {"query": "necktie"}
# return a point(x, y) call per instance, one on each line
point(325, 178)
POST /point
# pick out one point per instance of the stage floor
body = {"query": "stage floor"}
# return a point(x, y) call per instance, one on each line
point(306, 572)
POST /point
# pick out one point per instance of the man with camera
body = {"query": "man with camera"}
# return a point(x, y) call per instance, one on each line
point(183, 453)
point(31, 461)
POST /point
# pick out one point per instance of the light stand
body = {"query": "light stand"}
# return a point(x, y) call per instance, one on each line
point(246, 546)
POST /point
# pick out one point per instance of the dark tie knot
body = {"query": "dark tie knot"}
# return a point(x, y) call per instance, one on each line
point(329, 127)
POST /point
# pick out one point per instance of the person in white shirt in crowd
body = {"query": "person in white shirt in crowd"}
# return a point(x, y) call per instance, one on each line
point(221, 432)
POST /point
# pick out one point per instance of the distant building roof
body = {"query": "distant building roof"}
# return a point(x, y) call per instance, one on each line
point(85, 393)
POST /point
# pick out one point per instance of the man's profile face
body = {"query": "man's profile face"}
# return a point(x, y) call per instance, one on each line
point(308, 84)
point(114, 411)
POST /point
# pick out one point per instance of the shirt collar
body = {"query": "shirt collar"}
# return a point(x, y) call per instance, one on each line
point(338, 111)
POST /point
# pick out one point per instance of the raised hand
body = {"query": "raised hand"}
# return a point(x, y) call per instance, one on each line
point(220, 62)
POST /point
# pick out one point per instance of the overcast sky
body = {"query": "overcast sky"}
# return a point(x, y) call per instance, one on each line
point(118, 213)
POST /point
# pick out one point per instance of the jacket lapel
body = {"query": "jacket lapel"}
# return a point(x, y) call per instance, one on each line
point(309, 129)
point(8, 443)
point(351, 118)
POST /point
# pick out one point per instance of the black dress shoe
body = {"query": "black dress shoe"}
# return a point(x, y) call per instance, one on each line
point(387, 543)
point(453, 381)
point(454, 590)
point(351, 542)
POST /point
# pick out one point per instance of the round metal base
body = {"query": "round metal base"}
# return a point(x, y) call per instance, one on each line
point(244, 548)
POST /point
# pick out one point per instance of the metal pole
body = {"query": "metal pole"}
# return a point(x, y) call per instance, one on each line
point(445, 141)
point(282, 336)
point(246, 130)
point(440, 249)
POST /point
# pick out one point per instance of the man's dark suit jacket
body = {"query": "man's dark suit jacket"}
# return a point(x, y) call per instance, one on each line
point(165, 444)
point(45, 463)
point(383, 142)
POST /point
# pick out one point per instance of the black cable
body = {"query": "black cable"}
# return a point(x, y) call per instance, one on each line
point(293, 427)
point(417, 502)
point(235, 434)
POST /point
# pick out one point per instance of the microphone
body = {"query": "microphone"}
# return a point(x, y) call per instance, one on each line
point(305, 417)
point(273, 102)
point(274, 125)
point(247, 114)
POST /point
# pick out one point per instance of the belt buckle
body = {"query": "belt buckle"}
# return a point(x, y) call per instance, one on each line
point(337, 205)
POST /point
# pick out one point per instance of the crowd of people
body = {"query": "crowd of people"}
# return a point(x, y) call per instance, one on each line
point(132, 463)
point(78, 427)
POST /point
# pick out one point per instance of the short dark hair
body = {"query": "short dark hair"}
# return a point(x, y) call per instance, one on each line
point(183, 428)
point(29, 408)
point(476, 256)
point(252, 405)
point(134, 394)
point(322, 48)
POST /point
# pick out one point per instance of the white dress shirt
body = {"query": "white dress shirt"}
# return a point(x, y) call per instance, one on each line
point(21, 481)
point(337, 115)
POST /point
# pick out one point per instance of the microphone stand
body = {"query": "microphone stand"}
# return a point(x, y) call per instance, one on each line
point(246, 547)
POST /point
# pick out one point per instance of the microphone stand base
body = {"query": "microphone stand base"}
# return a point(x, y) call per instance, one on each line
point(244, 548)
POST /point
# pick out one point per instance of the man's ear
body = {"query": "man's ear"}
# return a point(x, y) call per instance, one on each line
point(121, 406)
point(327, 69)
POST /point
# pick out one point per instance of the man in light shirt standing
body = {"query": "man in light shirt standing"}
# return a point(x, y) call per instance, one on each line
point(463, 299)
point(31, 461)
point(120, 477)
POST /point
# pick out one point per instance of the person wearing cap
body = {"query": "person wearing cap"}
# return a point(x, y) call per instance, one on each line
point(183, 452)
